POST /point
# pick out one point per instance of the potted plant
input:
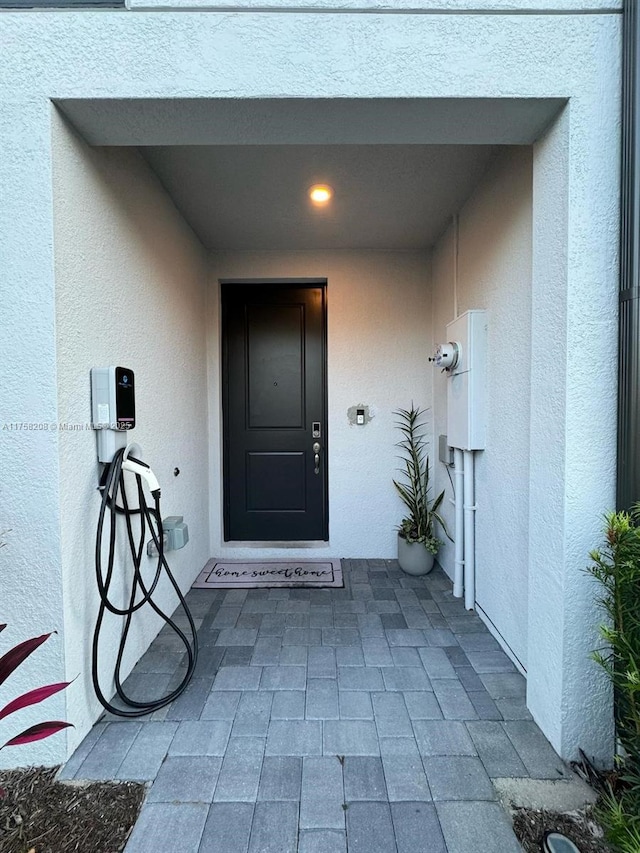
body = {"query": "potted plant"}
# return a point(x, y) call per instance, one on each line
point(417, 540)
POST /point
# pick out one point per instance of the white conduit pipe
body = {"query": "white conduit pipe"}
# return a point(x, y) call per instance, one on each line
point(458, 578)
point(455, 265)
point(469, 532)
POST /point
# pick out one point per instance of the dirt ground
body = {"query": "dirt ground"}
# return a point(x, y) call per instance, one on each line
point(40, 815)
point(530, 826)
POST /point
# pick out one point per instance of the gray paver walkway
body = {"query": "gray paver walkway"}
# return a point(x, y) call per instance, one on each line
point(370, 718)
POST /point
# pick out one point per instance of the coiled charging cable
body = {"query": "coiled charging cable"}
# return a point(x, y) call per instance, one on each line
point(112, 485)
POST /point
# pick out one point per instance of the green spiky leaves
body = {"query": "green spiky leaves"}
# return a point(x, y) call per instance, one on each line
point(413, 484)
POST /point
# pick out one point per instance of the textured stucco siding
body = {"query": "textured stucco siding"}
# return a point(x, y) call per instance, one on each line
point(378, 340)
point(253, 55)
point(573, 423)
point(30, 561)
point(494, 273)
point(130, 290)
point(164, 54)
point(426, 7)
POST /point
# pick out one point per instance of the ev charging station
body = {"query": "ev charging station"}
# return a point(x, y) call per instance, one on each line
point(124, 485)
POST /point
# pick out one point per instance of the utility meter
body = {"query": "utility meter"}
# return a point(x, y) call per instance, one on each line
point(447, 355)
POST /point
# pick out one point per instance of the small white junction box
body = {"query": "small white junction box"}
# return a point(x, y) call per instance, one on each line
point(467, 382)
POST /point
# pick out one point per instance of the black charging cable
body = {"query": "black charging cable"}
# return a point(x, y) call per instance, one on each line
point(111, 486)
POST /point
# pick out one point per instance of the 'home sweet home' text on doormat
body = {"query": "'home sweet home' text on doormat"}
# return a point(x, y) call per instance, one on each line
point(254, 574)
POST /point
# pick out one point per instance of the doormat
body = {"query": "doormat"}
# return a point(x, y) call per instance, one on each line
point(270, 574)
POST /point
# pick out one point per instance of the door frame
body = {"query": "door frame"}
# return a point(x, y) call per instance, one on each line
point(286, 282)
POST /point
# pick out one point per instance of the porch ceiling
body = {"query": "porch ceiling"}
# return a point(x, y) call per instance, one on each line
point(238, 169)
point(255, 197)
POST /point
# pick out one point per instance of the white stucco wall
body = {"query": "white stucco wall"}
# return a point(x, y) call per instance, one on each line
point(532, 528)
point(428, 7)
point(494, 273)
point(378, 339)
point(573, 429)
point(245, 54)
point(130, 290)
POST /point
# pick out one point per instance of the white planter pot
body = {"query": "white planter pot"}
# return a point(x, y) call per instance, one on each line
point(414, 558)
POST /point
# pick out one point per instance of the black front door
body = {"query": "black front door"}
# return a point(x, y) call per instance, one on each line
point(274, 403)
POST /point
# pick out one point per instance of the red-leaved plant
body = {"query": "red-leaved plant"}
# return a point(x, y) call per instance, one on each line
point(9, 662)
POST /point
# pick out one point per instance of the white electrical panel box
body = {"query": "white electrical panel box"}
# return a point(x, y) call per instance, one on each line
point(466, 383)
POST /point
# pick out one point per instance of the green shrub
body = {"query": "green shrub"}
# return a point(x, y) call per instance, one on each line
point(617, 567)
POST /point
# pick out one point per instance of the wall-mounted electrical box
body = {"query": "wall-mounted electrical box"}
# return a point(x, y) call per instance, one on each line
point(445, 452)
point(466, 383)
point(175, 535)
point(178, 531)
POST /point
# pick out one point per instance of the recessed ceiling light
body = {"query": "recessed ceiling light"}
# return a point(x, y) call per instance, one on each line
point(320, 193)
